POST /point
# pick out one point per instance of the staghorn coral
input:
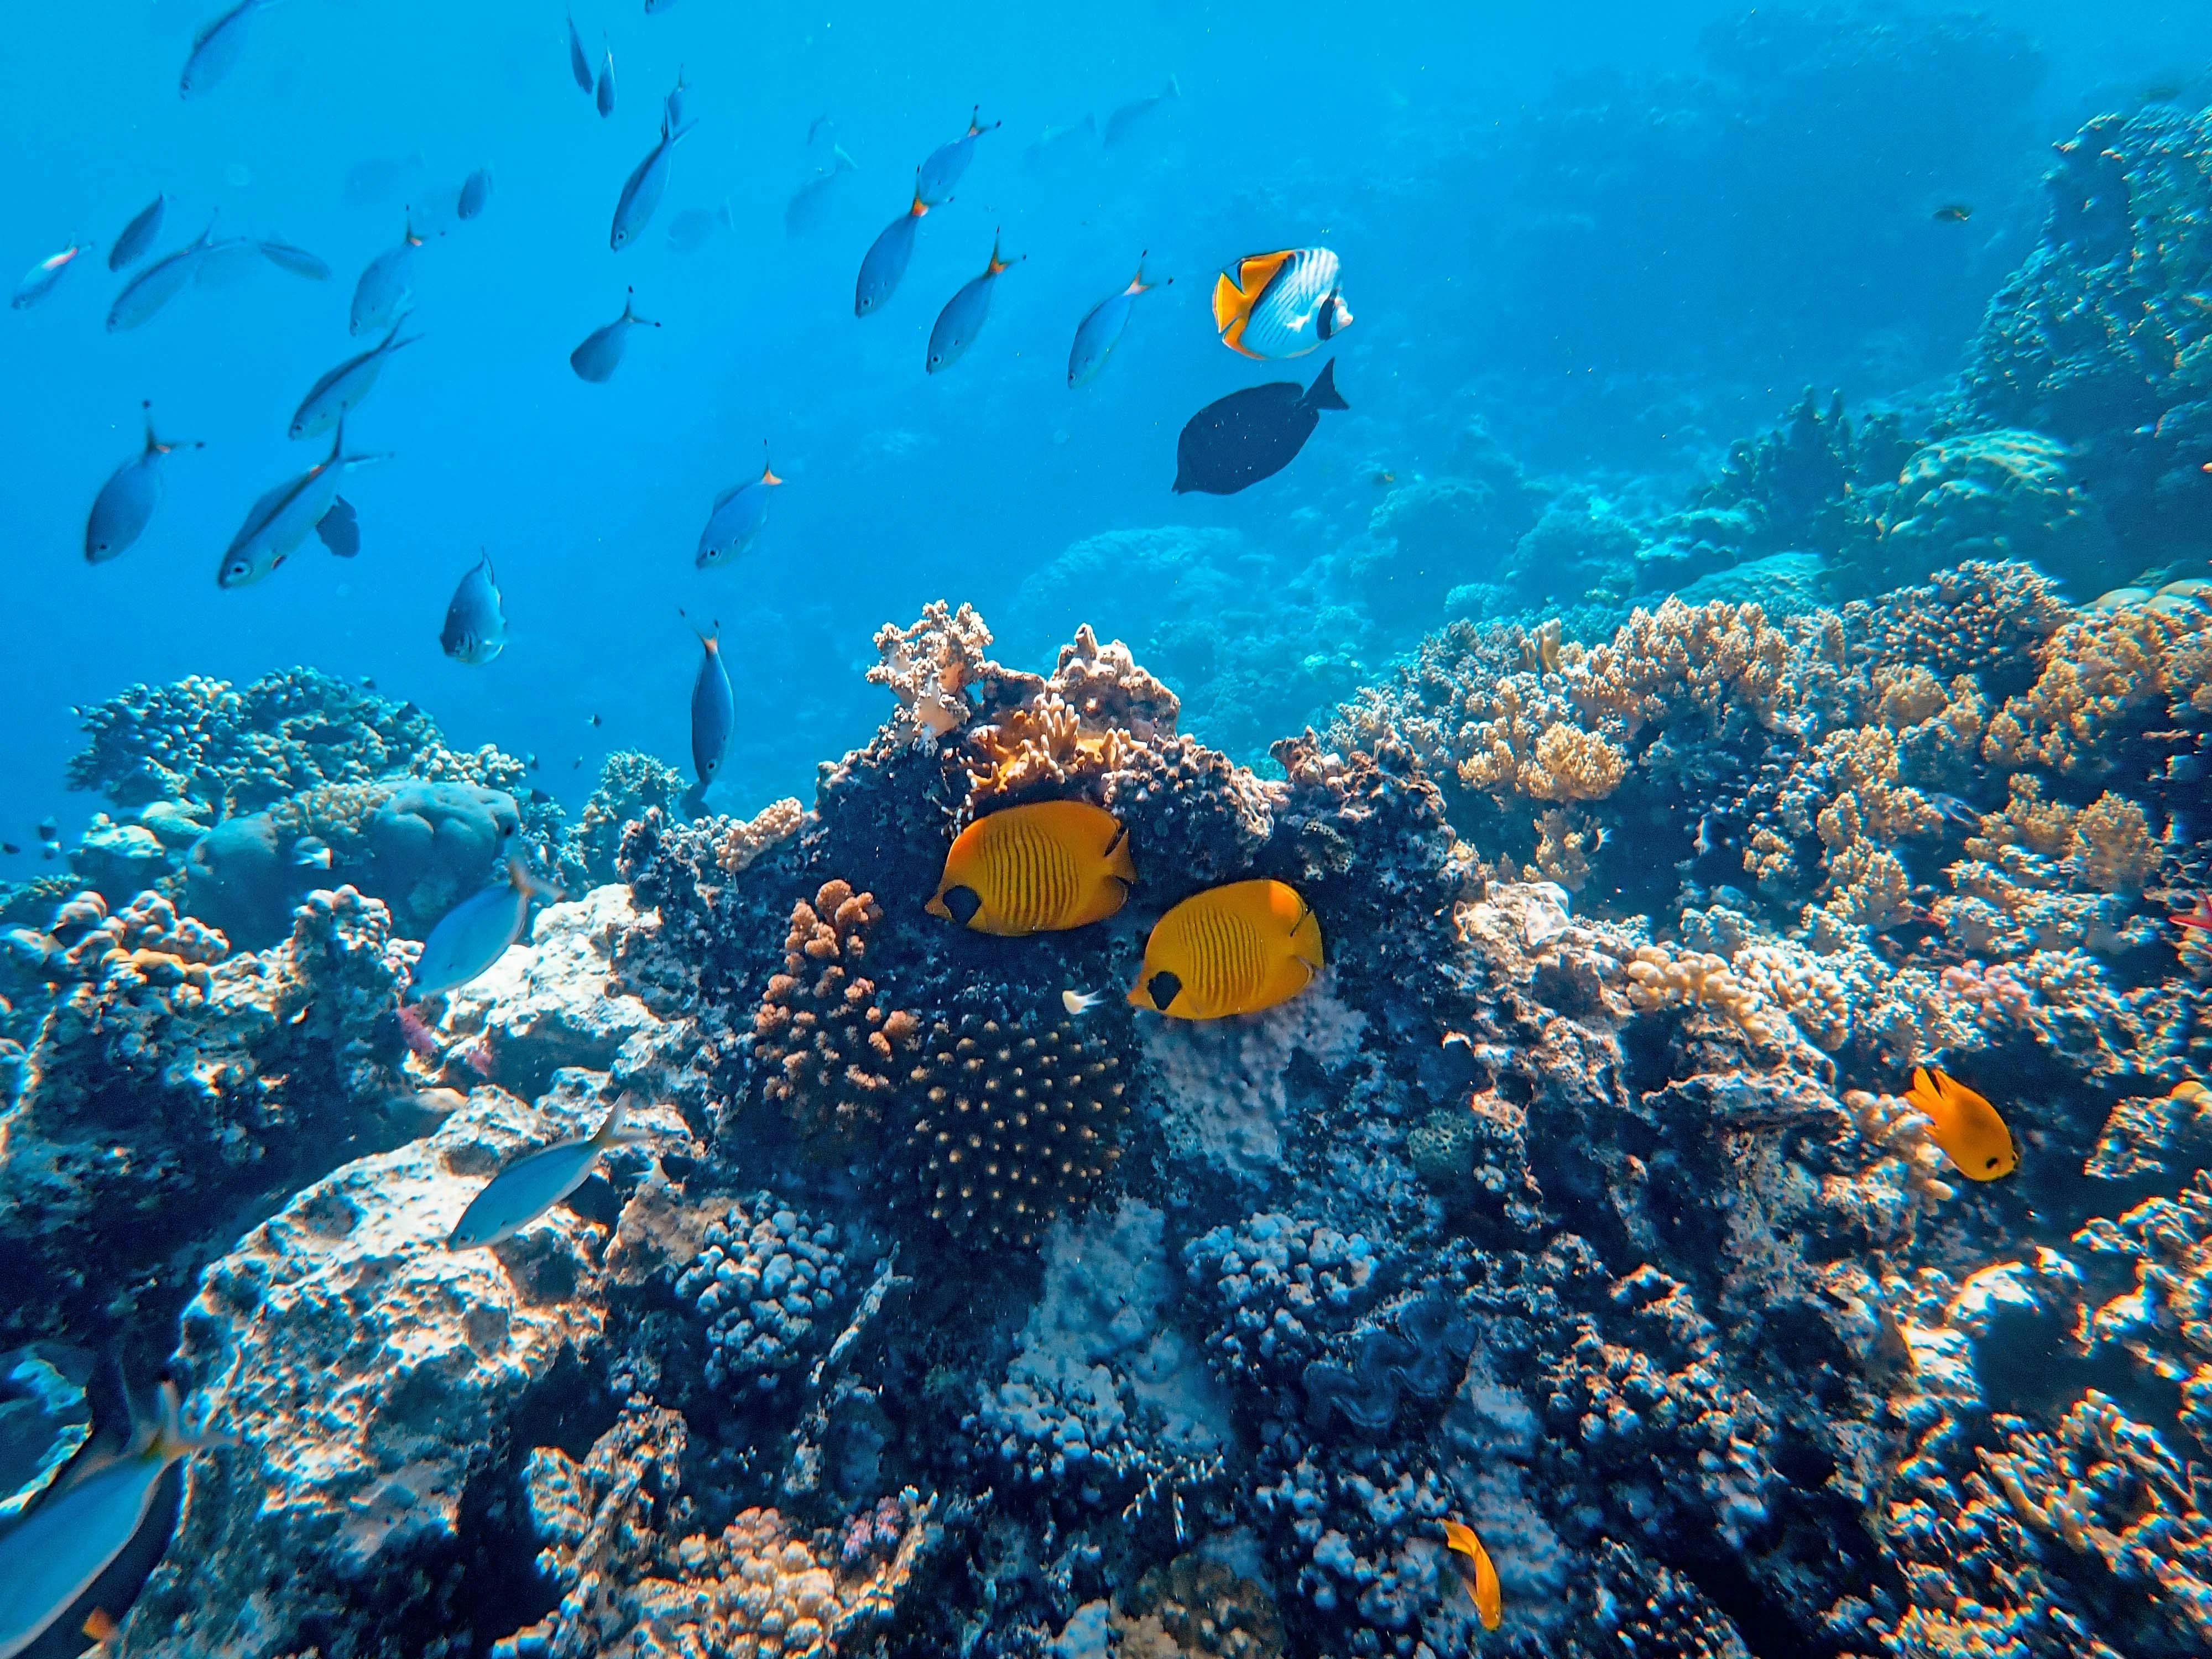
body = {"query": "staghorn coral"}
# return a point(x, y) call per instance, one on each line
point(830, 1051)
point(1012, 1125)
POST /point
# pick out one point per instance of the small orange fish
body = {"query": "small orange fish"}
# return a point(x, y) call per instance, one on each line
point(98, 1625)
point(1231, 950)
point(1040, 868)
point(1481, 1576)
point(2200, 914)
point(1967, 1126)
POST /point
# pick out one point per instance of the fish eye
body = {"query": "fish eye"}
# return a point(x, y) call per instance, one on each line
point(964, 902)
point(1164, 988)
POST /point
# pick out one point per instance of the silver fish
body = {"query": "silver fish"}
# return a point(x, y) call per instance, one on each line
point(579, 65)
point(283, 517)
point(642, 190)
point(531, 1185)
point(216, 48)
point(964, 316)
point(1100, 331)
point(81, 1525)
point(1127, 119)
point(310, 853)
point(386, 285)
point(714, 712)
point(740, 516)
point(126, 503)
point(158, 283)
point(601, 354)
point(694, 227)
point(342, 390)
point(475, 933)
point(297, 260)
point(604, 94)
point(475, 193)
point(941, 173)
point(1054, 142)
point(476, 625)
point(138, 235)
point(809, 203)
point(39, 282)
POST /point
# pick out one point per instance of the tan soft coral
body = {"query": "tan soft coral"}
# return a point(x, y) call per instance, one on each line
point(2100, 673)
point(1041, 749)
point(2111, 848)
point(1660, 976)
point(928, 666)
point(1713, 658)
point(739, 842)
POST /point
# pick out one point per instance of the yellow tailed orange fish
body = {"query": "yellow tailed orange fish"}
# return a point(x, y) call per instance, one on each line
point(1965, 1126)
point(1231, 950)
point(1036, 869)
point(1280, 305)
point(1482, 1577)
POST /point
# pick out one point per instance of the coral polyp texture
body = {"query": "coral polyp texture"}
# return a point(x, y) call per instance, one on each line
point(938, 1300)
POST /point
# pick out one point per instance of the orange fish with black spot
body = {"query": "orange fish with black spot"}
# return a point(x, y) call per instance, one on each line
point(1967, 1126)
point(1231, 950)
point(1042, 868)
point(1481, 1576)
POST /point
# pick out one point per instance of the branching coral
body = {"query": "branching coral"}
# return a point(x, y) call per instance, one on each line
point(829, 1050)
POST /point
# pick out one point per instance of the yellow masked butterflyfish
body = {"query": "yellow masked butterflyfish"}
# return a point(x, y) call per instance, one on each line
point(1036, 869)
point(1231, 950)
point(1967, 1126)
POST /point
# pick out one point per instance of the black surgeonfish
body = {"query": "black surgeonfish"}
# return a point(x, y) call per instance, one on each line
point(1235, 441)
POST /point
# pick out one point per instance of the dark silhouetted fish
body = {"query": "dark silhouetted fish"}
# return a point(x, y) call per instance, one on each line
point(297, 260)
point(340, 392)
point(1954, 213)
point(277, 523)
point(158, 283)
point(126, 503)
point(713, 713)
point(138, 235)
point(601, 354)
point(1235, 441)
point(809, 203)
point(965, 315)
point(740, 516)
point(642, 190)
point(693, 229)
point(216, 48)
point(887, 258)
point(1127, 119)
point(604, 94)
point(579, 65)
point(475, 193)
point(939, 176)
point(386, 285)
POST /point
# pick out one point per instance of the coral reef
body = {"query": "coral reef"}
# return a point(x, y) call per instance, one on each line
point(767, 1282)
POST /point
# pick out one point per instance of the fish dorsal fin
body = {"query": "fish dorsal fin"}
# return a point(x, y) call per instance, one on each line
point(729, 495)
point(1253, 275)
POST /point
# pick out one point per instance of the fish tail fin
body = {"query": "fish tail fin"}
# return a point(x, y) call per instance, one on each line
point(840, 162)
point(529, 881)
point(171, 1439)
point(615, 1130)
point(1119, 865)
point(1137, 284)
point(1175, 86)
point(1323, 393)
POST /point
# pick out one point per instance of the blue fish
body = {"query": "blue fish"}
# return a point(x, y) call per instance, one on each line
point(84, 1522)
point(342, 391)
point(475, 933)
point(809, 203)
point(160, 283)
point(694, 227)
point(475, 193)
point(297, 260)
point(642, 190)
point(888, 256)
point(604, 94)
point(531, 1185)
point(941, 173)
point(740, 512)
point(672, 106)
point(1130, 117)
point(713, 713)
point(216, 48)
point(386, 285)
point(277, 523)
point(126, 503)
point(476, 625)
point(601, 354)
point(340, 529)
point(138, 235)
point(579, 65)
point(39, 282)
point(1098, 333)
point(964, 315)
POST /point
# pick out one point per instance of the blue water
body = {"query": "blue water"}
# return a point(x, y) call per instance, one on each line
point(1616, 237)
